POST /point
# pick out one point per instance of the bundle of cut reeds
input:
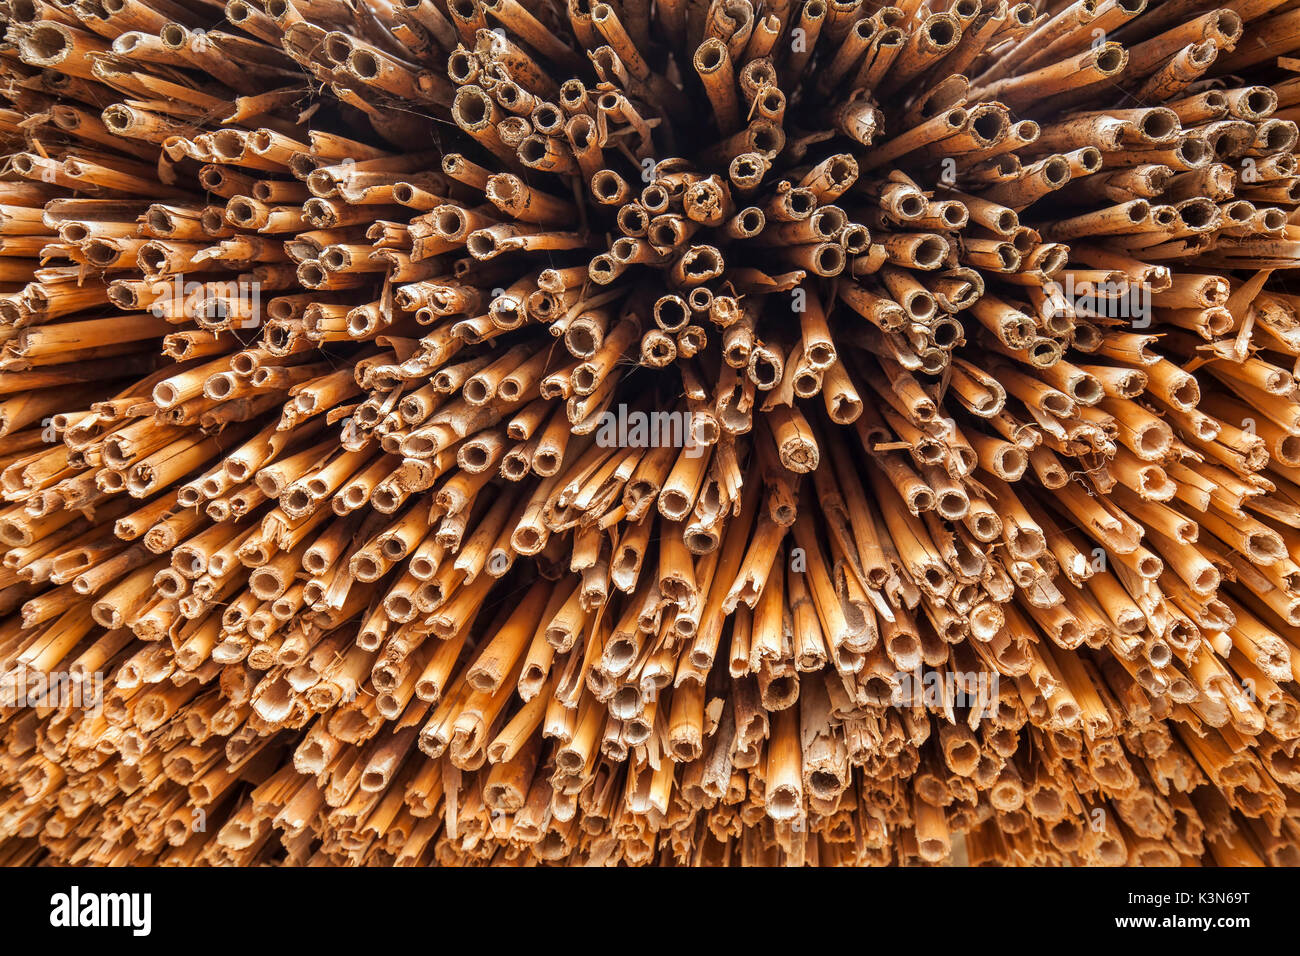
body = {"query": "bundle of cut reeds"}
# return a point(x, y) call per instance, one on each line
point(502, 431)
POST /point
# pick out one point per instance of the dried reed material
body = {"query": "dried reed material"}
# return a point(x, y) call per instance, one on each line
point(857, 390)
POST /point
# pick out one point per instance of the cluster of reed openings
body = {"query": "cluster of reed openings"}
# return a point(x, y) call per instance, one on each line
point(969, 522)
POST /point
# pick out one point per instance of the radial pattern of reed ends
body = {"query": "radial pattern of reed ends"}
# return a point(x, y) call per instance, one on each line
point(812, 432)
